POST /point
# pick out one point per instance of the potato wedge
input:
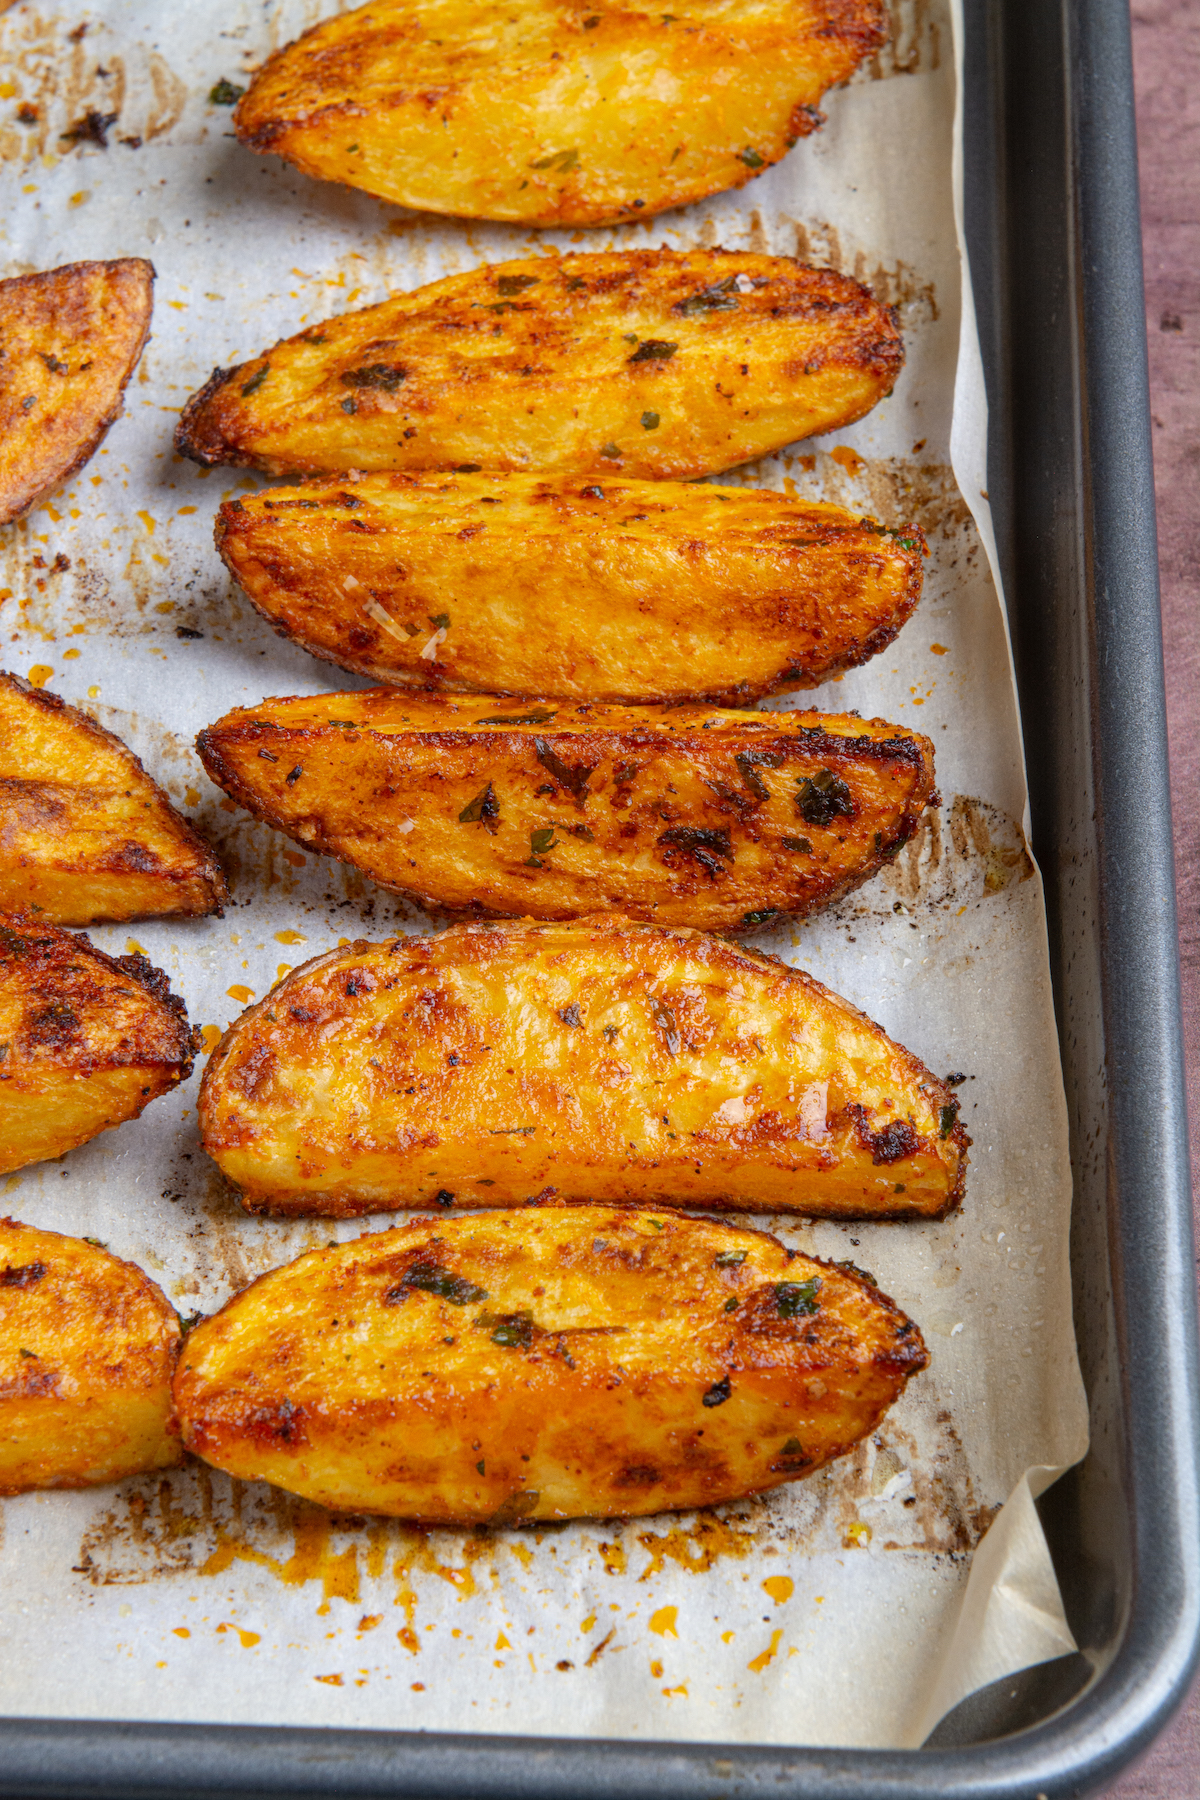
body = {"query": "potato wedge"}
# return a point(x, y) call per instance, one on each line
point(86, 1041)
point(640, 363)
point(70, 338)
point(553, 1364)
point(87, 1348)
point(634, 591)
point(502, 809)
point(497, 1065)
point(84, 833)
point(554, 114)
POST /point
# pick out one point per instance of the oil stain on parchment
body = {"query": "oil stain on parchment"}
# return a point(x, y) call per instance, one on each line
point(917, 31)
point(72, 89)
point(908, 1487)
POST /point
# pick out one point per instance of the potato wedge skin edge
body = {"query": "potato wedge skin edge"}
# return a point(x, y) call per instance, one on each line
point(90, 1040)
point(87, 1350)
point(75, 854)
point(584, 1362)
point(27, 478)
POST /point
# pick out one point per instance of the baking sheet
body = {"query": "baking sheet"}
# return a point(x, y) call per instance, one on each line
point(192, 1597)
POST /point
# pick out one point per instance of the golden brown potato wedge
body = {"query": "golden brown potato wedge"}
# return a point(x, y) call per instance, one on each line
point(86, 1041)
point(641, 363)
point(496, 1065)
point(564, 1362)
point(84, 832)
point(525, 584)
point(70, 338)
point(503, 808)
point(549, 113)
point(87, 1348)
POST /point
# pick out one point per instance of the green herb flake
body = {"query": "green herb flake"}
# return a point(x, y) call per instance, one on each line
point(541, 841)
point(649, 421)
point(481, 1467)
point(31, 1354)
point(823, 797)
point(610, 450)
point(751, 158)
point(654, 350)
point(748, 763)
point(255, 382)
point(512, 1331)
point(225, 93)
point(508, 285)
point(729, 1259)
point(732, 1305)
point(386, 377)
point(483, 810)
point(761, 916)
point(800, 845)
point(947, 1117)
point(721, 297)
point(561, 161)
point(797, 1299)
point(538, 717)
point(439, 621)
point(432, 1278)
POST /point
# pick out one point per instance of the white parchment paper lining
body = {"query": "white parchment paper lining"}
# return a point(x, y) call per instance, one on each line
point(854, 1608)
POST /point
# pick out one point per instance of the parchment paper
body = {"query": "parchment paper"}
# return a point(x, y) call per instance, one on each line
point(848, 1608)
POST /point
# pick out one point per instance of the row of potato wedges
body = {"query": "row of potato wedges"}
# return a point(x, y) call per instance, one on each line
point(715, 818)
point(492, 1066)
point(495, 1369)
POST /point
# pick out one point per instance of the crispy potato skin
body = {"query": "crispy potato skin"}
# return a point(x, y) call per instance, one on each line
point(87, 1348)
point(86, 1041)
point(71, 338)
point(560, 115)
point(630, 591)
point(577, 1361)
point(559, 364)
point(84, 832)
point(497, 1065)
point(680, 816)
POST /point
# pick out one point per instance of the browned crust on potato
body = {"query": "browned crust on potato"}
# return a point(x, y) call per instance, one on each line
point(548, 380)
point(672, 816)
point(87, 1349)
point(71, 338)
point(62, 971)
point(86, 1040)
point(46, 792)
